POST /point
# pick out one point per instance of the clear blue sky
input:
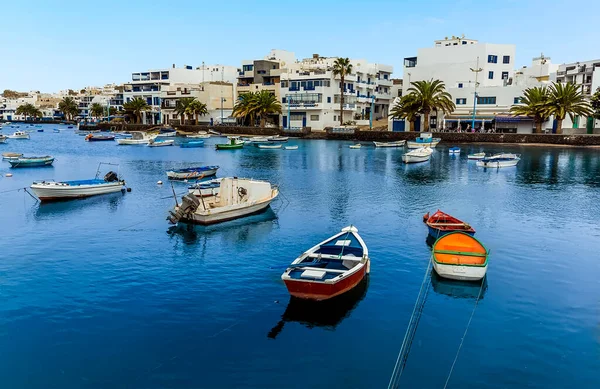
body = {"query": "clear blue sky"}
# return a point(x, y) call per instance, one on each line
point(53, 45)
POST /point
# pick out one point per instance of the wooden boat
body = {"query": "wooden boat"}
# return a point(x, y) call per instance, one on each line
point(46, 160)
point(500, 160)
point(356, 146)
point(198, 136)
point(258, 139)
point(291, 147)
point(166, 132)
point(265, 146)
point(419, 155)
point(137, 138)
point(476, 156)
point(234, 143)
point(64, 190)
point(441, 223)
point(454, 150)
point(192, 144)
point(459, 256)
point(329, 268)
point(19, 135)
point(424, 140)
point(3, 138)
point(192, 173)
point(398, 143)
point(99, 138)
point(10, 156)
point(277, 138)
point(160, 143)
point(237, 198)
point(206, 188)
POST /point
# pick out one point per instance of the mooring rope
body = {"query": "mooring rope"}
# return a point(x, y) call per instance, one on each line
point(465, 333)
point(410, 330)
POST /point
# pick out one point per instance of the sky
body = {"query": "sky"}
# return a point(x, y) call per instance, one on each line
point(54, 45)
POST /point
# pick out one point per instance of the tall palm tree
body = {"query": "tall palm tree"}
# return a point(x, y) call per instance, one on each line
point(243, 108)
point(533, 104)
point(196, 107)
point(26, 109)
point(342, 67)
point(136, 106)
point(97, 110)
point(406, 108)
point(181, 107)
point(264, 104)
point(566, 99)
point(68, 107)
point(36, 112)
point(431, 95)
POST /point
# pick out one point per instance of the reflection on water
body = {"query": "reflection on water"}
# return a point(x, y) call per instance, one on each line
point(54, 209)
point(458, 289)
point(327, 314)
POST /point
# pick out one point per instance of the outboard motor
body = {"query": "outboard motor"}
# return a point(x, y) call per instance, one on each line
point(189, 204)
point(111, 177)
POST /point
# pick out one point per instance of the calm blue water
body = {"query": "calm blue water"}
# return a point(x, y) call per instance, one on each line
point(102, 293)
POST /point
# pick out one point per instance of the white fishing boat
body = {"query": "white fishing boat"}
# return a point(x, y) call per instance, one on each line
point(160, 143)
point(356, 146)
point(198, 136)
point(64, 190)
point(3, 139)
point(425, 139)
point(500, 160)
point(266, 146)
point(476, 156)
point(237, 197)
point(277, 138)
point(291, 147)
point(192, 173)
point(454, 150)
point(137, 138)
point(258, 139)
point(398, 143)
point(11, 156)
point(166, 132)
point(419, 155)
point(19, 135)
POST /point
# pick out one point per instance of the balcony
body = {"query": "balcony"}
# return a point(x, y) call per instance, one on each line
point(385, 82)
point(294, 88)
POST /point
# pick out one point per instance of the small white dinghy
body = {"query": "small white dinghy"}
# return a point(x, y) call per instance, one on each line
point(356, 146)
point(398, 143)
point(454, 150)
point(160, 143)
point(291, 147)
point(500, 160)
point(3, 139)
point(198, 136)
point(137, 138)
point(476, 156)
point(267, 146)
point(19, 135)
point(419, 155)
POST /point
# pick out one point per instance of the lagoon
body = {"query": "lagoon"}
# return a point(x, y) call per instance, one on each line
point(102, 292)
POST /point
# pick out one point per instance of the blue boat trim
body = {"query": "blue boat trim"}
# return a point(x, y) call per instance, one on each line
point(195, 169)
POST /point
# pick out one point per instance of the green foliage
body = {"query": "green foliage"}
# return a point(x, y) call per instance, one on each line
point(68, 107)
point(135, 107)
point(595, 104)
point(97, 110)
point(342, 67)
point(181, 106)
point(256, 105)
point(429, 96)
point(28, 109)
point(197, 108)
point(408, 108)
point(566, 99)
point(533, 103)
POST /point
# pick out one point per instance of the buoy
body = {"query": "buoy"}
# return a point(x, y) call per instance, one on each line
point(128, 189)
point(8, 175)
point(159, 182)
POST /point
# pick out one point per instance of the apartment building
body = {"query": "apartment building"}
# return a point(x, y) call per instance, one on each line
point(218, 97)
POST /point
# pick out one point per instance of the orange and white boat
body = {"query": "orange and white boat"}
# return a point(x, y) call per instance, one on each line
point(459, 256)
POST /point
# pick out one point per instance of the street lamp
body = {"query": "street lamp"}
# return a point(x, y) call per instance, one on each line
point(476, 70)
point(371, 112)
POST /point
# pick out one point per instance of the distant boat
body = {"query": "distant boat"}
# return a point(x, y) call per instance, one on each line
point(265, 146)
point(206, 188)
point(419, 155)
point(192, 173)
point(160, 143)
point(192, 144)
point(500, 160)
point(476, 156)
point(234, 143)
point(454, 150)
point(291, 147)
point(64, 190)
point(198, 136)
point(19, 135)
point(398, 143)
point(441, 223)
point(137, 138)
point(277, 138)
point(69, 126)
point(167, 132)
point(330, 268)
point(3, 138)
point(424, 140)
point(459, 256)
point(99, 138)
point(11, 156)
point(237, 198)
point(356, 146)
point(31, 161)
point(40, 130)
point(56, 130)
point(213, 132)
point(258, 139)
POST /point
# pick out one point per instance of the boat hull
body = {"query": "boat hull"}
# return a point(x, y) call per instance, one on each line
point(192, 144)
point(417, 145)
point(19, 163)
point(161, 143)
point(460, 272)
point(229, 147)
point(220, 217)
point(191, 175)
point(437, 232)
point(129, 141)
point(319, 291)
point(497, 164)
point(415, 158)
point(49, 193)
point(390, 144)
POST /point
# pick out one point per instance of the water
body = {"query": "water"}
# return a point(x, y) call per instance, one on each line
point(102, 293)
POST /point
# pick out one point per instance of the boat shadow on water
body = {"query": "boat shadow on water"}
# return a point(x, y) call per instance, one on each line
point(327, 314)
point(62, 207)
point(458, 289)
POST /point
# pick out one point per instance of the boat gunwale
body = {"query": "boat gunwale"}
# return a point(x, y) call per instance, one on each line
point(434, 251)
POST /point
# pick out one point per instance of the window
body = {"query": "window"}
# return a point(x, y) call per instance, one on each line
point(505, 75)
point(297, 116)
point(334, 118)
point(157, 101)
point(506, 59)
point(314, 118)
point(492, 59)
point(491, 75)
point(385, 76)
point(464, 42)
point(461, 101)
point(284, 84)
point(329, 99)
point(460, 84)
point(283, 100)
point(517, 100)
point(486, 100)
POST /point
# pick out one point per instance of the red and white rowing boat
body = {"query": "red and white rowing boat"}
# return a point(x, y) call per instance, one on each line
point(441, 223)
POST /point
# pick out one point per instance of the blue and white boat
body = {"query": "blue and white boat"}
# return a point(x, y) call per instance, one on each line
point(192, 173)
point(424, 140)
point(167, 132)
point(66, 190)
point(192, 144)
point(206, 188)
point(454, 150)
point(500, 160)
point(46, 160)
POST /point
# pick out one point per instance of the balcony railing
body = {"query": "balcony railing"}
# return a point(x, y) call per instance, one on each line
point(294, 88)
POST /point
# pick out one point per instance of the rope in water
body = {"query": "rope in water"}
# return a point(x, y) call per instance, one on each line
point(411, 330)
point(465, 333)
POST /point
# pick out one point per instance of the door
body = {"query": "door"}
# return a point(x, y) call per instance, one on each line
point(398, 125)
point(418, 124)
point(554, 123)
point(590, 125)
point(303, 121)
point(284, 123)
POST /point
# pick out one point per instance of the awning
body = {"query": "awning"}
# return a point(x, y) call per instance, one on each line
point(465, 118)
point(513, 119)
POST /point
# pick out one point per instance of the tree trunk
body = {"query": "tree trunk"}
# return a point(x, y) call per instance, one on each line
point(538, 127)
point(426, 120)
point(559, 126)
point(263, 122)
point(411, 125)
point(342, 101)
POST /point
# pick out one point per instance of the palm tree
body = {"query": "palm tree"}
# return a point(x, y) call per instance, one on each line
point(243, 108)
point(68, 107)
point(181, 107)
point(196, 107)
point(533, 104)
point(136, 106)
point(406, 108)
point(431, 95)
point(26, 109)
point(36, 112)
point(97, 110)
point(342, 67)
point(566, 99)
point(264, 104)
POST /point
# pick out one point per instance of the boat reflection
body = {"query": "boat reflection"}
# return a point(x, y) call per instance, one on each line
point(60, 208)
point(458, 289)
point(327, 314)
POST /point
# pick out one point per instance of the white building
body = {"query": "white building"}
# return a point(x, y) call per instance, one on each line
point(148, 85)
point(469, 68)
point(218, 97)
